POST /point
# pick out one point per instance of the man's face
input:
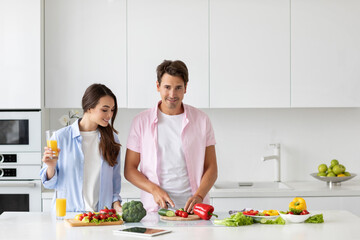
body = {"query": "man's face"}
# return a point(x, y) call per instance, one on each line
point(172, 90)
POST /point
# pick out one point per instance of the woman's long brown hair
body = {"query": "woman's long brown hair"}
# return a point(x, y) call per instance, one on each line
point(108, 147)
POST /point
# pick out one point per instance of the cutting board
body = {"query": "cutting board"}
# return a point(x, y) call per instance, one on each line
point(177, 218)
point(77, 223)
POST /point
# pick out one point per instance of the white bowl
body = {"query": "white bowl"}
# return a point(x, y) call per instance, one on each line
point(295, 218)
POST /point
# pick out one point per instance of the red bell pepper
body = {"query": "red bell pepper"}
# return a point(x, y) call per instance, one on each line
point(204, 211)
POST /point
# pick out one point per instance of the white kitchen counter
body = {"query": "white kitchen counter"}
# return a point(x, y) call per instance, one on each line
point(304, 188)
point(35, 226)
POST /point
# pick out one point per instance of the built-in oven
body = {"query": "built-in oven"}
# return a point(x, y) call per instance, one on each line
point(20, 161)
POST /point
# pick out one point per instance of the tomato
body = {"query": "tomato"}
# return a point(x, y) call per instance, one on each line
point(251, 212)
point(102, 216)
point(90, 214)
point(112, 210)
point(81, 218)
point(290, 213)
point(96, 217)
point(84, 215)
point(177, 212)
point(304, 212)
point(105, 210)
point(114, 215)
point(184, 214)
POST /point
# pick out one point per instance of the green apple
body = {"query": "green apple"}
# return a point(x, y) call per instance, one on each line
point(337, 169)
point(321, 174)
point(322, 168)
point(347, 174)
point(342, 167)
point(334, 162)
point(331, 174)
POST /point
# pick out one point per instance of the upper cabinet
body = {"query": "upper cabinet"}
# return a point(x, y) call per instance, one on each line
point(20, 62)
point(249, 53)
point(325, 53)
point(85, 43)
point(171, 30)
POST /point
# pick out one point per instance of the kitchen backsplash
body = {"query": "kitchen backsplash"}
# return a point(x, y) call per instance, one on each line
point(308, 137)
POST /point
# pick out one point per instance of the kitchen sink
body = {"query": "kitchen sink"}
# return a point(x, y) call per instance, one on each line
point(251, 185)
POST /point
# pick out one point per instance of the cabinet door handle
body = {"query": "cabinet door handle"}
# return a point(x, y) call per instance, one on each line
point(15, 184)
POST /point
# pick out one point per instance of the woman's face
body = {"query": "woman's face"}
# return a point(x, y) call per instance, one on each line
point(103, 111)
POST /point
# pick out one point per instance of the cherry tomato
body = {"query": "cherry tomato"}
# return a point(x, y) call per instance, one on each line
point(105, 210)
point(185, 214)
point(177, 212)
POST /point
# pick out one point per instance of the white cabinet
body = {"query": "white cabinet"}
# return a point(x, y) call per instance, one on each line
point(85, 43)
point(20, 63)
point(249, 53)
point(325, 53)
point(172, 30)
point(282, 203)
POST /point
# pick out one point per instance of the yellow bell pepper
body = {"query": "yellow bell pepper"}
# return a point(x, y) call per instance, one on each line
point(298, 203)
point(271, 212)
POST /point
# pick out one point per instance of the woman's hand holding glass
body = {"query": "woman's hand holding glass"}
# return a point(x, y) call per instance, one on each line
point(51, 153)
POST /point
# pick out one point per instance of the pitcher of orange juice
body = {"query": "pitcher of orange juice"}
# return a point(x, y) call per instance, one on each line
point(60, 195)
point(51, 142)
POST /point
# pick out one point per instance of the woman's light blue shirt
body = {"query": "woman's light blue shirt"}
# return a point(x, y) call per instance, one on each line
point(70, 170)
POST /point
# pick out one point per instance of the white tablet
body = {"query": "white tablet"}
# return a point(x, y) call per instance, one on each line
point(141, 231)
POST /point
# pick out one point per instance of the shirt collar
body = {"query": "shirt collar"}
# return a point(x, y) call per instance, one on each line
point(75, 129)
point(154, 117)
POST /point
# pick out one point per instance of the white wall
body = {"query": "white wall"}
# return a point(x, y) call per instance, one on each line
point(308, 137)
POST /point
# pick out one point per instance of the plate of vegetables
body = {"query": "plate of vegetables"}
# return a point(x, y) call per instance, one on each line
point(260, 214)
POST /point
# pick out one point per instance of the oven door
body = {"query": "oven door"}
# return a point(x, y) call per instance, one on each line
point(20, 131)
point(20, 196)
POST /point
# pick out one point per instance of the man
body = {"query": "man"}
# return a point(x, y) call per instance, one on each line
point(174, 144)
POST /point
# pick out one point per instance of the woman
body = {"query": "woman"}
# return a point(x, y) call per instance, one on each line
point(88, 166)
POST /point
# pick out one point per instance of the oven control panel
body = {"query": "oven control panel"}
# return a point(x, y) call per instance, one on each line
point(8, 158)
point(7, 172)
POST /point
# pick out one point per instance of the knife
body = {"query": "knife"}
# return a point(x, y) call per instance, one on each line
point(169, 207)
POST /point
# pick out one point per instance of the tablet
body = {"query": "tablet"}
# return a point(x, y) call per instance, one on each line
point(142, 231)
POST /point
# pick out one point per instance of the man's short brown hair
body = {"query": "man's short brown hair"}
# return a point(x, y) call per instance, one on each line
point(173, 68)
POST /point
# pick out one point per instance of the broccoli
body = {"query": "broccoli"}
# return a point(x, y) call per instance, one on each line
point(133, 211)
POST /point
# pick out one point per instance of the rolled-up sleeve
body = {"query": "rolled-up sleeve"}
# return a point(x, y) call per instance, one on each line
point(133, 141)
point(51, 184)
point(210, 136)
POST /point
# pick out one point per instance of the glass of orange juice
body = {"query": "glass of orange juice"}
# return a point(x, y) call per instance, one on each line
point(60, 203)
point(51, 142)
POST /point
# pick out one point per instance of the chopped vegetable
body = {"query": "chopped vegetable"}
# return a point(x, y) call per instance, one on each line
point(238, 219)
point(251, 212)
point(133, 211)
point(270, 212)
point(166, 212)
point(318, 218)
point(279, 220)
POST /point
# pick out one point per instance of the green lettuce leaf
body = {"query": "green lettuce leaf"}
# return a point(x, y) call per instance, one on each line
point(318, 218)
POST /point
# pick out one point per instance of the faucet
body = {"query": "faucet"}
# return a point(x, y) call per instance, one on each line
point(276, 157)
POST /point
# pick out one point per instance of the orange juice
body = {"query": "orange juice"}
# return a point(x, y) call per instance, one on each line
point(53, 145)
point(60, 207)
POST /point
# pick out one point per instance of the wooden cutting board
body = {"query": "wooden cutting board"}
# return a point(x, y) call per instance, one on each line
point(77, 223)
point(177, 218)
